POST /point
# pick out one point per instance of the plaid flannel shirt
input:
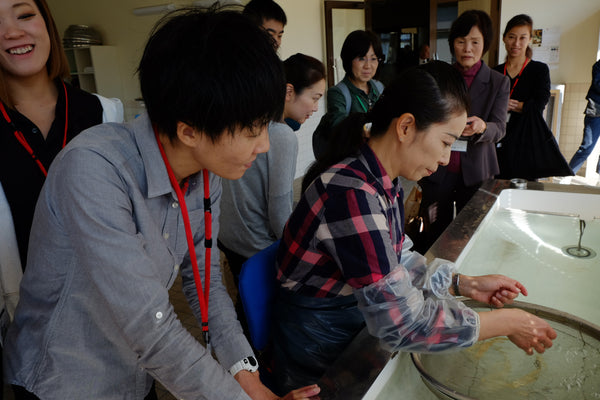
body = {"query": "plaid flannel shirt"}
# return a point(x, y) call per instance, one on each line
point(346, 234)
point(346, 231)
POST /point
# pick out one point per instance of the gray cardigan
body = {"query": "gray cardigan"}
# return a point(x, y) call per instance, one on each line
point(255, 208)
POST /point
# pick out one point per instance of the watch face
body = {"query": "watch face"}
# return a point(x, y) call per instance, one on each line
point(252, 361)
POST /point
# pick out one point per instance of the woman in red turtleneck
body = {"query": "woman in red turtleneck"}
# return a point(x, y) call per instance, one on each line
point(473, 158)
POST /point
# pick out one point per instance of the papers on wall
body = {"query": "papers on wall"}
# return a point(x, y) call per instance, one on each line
point(545, 44)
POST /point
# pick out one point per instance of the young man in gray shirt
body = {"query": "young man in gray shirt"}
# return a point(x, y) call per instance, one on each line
point(126, 207)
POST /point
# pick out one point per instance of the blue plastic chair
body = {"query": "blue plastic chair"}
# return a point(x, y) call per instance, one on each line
point(257, 291)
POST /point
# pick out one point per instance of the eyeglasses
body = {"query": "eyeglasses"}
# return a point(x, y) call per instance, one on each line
point(371, 60)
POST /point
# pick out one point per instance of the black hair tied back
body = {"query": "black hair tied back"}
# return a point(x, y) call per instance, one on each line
point(432, 93)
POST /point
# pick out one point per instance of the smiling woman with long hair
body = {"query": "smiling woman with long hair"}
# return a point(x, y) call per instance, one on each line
point(41, 112)
point(527, 135)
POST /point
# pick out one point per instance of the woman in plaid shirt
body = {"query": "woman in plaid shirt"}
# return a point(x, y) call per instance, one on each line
point(344, 259)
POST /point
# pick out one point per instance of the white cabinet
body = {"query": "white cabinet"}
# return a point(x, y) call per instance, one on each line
point(94, 69)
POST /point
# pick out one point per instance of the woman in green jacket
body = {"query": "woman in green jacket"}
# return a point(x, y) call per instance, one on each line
point(358, 91)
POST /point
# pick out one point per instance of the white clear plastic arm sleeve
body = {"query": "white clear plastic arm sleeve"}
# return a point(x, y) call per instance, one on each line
point(403, 318)
point(435, 278)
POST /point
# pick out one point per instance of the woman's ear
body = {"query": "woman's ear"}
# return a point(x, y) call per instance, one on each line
point(289, 92)
point(405, 126)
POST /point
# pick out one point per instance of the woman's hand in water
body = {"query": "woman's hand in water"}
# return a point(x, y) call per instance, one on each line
point(525, 330)
point(530, 332)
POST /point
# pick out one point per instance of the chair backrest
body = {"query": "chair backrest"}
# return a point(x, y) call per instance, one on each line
point(257, 290)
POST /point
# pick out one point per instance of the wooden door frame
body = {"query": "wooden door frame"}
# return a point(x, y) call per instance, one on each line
point(495, 6)
point(433, 5)
point(329, 7)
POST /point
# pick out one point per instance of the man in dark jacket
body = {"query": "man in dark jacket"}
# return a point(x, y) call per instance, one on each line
point(591, 123)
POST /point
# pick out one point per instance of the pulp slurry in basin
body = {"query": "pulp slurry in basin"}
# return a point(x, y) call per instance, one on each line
point(497, 369)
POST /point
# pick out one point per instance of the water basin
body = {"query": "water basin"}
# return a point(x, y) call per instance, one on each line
point(497, 369)
point(523, 236)
point(519, 233)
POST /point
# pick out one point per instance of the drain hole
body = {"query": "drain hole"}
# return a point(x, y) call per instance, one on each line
point(579, 252)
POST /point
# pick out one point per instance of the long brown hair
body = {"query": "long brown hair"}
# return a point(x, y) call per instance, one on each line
point(56, 65)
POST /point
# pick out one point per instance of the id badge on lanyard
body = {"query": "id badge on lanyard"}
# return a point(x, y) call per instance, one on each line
point(460, 145)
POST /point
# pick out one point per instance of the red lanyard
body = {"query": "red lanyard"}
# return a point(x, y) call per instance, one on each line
point(518, 76)
point(21, 138)
point(202, 294)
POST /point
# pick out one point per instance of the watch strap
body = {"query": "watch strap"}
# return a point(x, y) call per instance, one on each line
point(248, 363)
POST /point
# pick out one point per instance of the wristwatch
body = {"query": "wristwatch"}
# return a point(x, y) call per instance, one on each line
point(249, 364)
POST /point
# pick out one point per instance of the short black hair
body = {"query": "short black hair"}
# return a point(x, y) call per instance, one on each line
point(467, 20)
point(213, 70)
point(357, 44)
point(302, 71)
point(262, 10)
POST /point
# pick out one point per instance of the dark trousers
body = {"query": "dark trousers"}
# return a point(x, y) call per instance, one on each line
point(591, 133)
point(234, 260)
point(22, 394)
point(438, 206)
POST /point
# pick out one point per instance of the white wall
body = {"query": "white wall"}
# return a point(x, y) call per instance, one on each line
point(304, 34)
point(114, 19)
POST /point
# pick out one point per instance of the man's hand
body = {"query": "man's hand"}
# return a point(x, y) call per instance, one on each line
point(250, 382)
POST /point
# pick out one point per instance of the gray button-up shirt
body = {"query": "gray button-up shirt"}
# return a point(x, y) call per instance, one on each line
point(94, 319)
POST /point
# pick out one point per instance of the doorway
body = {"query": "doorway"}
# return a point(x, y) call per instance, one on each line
point(341, 18)
point(444, 12)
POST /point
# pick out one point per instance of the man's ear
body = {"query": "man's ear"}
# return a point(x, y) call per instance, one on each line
point(289, 91)
point(405, 126)
point(187, 134)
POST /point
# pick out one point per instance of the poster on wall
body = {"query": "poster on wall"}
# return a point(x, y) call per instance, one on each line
point(545, 44)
